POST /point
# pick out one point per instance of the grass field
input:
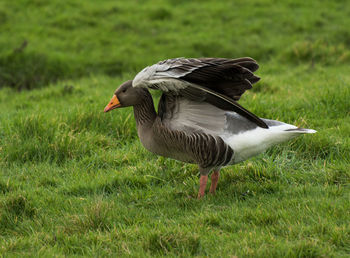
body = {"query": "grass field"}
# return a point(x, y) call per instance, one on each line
point(77, 182)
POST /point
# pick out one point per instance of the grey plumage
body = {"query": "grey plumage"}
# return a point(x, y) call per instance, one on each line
point(198, 119)
point(187, 144)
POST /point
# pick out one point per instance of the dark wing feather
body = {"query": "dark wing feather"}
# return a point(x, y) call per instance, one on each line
point(229, 77)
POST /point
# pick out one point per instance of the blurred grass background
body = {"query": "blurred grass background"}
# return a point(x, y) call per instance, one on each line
point(45, 41)
point(75, 181)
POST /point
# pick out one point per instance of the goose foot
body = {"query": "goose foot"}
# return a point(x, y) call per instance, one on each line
point(202, 184)
point(214, 181)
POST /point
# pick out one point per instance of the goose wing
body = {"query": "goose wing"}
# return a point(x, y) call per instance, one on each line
point(218, 81)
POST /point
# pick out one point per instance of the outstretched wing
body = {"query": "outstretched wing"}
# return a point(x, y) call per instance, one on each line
point(218, 81)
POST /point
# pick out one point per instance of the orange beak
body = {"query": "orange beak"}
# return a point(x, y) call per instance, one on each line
point(114, 103)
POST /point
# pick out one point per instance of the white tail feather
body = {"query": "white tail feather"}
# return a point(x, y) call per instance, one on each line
point(250, 143)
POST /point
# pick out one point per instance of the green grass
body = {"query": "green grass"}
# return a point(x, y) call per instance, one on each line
point(77, 182)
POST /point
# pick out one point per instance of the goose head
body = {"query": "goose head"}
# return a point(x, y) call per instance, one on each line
point(125, 96)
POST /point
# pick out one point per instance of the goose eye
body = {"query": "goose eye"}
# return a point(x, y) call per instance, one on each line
point(124, 90)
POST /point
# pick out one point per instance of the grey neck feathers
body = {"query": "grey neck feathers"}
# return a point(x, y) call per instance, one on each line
point(144, 112)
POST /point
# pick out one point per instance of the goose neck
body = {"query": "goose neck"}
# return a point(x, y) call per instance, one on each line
point(144, 112)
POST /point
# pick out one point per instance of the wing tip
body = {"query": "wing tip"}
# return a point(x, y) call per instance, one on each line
point(262, 124)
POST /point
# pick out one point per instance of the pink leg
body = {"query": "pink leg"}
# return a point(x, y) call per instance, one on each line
point(214, 181)
point(202, 184)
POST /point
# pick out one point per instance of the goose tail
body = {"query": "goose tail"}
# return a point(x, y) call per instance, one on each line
point(301, 130)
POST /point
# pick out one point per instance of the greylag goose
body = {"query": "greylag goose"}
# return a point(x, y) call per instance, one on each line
point(199, 120)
